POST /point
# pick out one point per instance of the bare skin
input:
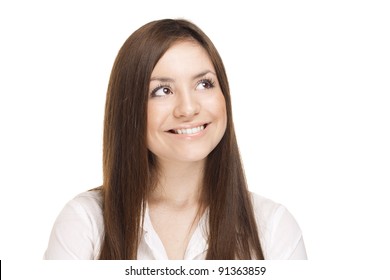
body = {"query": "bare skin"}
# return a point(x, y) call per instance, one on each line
point(186, 120)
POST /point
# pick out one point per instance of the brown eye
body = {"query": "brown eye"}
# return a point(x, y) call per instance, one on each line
point(205, 84)
point(161, 91)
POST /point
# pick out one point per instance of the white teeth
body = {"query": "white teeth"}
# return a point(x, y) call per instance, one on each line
point(189, 130)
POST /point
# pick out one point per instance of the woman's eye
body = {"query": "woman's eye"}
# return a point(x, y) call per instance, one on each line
point(205, 84)
point(161, 91)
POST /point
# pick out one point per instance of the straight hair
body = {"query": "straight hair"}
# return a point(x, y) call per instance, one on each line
point(130, 171)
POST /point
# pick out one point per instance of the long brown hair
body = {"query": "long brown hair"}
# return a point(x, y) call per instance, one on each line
point(129, 168)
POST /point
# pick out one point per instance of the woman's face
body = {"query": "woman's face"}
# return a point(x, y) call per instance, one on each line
point(186, 107)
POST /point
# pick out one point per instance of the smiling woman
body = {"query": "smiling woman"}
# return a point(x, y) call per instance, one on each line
point(186, 109)
point(173, 187)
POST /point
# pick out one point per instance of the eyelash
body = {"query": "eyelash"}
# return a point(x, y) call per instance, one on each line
point(160, 86)
point(210, 82)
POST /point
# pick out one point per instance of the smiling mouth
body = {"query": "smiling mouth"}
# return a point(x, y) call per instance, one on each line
point(192, 130)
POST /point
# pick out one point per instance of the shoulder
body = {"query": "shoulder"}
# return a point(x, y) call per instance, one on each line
point(78, 229)
point(90, 201)
point(86, 205)
point(267, 212)
point(263, 206)
point(280, 234)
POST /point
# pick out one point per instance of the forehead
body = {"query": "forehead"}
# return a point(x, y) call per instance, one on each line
point(183, 58)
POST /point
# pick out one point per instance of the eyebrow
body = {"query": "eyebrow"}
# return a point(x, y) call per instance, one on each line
point(170, 80)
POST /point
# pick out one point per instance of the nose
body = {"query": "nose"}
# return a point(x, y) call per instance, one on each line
point(187, 105)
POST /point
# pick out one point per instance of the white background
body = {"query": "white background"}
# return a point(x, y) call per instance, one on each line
point(310, 83)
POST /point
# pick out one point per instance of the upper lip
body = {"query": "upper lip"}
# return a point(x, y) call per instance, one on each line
point(186, 126)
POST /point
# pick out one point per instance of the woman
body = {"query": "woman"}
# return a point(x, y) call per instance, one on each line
point(174, 186)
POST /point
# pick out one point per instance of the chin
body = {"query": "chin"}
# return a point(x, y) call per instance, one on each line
point(187, 156)
point(192, 158)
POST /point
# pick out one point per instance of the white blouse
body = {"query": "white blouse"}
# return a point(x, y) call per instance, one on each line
point(78, 230)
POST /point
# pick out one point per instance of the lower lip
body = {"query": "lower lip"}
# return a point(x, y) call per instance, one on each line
point(191, 136)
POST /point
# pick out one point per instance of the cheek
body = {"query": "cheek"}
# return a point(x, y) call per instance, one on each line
point(219, 106)
point(152, 124)
point(150, 118)
point(156, 116)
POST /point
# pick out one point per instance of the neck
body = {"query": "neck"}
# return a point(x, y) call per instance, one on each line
point(179, 184)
